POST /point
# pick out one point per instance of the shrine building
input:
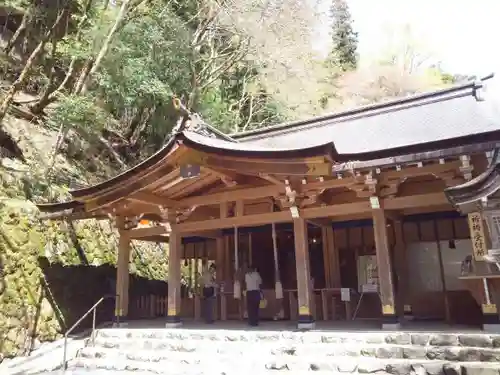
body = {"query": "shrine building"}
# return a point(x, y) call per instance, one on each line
point(345, 215)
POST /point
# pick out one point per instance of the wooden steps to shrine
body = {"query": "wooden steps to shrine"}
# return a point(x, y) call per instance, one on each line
point(189, 352)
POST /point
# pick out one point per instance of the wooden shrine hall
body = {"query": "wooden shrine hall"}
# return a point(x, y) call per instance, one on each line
point(344, 215)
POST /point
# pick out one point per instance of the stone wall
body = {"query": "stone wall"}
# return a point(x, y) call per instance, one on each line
point(63, 295)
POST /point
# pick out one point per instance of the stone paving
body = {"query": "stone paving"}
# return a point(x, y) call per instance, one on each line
point(220, 351)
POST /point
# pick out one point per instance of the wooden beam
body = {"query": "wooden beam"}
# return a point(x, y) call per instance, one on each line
point(321, 223)
point(160, 239)
point(149, 198)
point(139, 233)
point(273, 180)
point(399, 203)
point(314, 166)
point(426, 170)
point(224, 177)
point(249, 220)
point(259, 192)
point(415, 201)
point(161, 230)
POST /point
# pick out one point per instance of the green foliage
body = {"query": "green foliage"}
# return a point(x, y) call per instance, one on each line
point(147, 65)
point(344, 39)
point(79, 113)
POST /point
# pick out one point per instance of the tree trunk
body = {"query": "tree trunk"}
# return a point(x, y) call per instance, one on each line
point(105, 46)
point(49, 97)
point(15, 38)
point(18, 83)
point(61, 135)
point(83, 75)
point(39, 106)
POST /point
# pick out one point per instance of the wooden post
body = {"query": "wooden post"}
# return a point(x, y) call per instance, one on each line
point(305, 319)
point(386, 287)
point(219, 273)
point(174, 280)
point(333, 258)
point(326, 262)
point(403, 297)
point(122, 278)
point(219, 259)
point(446, 301)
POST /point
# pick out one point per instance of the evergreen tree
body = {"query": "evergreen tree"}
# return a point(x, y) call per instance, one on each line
point(343, 54)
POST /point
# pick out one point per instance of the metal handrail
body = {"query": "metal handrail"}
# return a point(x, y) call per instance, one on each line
point(92, 336)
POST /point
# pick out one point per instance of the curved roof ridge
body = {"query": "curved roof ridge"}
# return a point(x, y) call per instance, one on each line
point(199, 126)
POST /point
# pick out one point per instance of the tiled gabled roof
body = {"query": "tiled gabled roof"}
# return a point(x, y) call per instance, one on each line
point(428, 118)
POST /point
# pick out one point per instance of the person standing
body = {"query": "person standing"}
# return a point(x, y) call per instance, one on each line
point(209, 285)
point(253, 282)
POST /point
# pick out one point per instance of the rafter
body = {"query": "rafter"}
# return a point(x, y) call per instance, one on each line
point(149, 198)
point(228, 179)
point(272, 179)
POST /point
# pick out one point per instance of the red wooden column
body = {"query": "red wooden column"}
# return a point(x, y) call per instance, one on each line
point(305, 318)
point(386, 288)
point(174, 279)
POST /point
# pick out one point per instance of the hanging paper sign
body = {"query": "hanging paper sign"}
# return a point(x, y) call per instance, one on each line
point(345, 294)
point(367, 273)
point(477, 236)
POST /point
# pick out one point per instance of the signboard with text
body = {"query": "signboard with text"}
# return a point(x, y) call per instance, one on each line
point(477, 236)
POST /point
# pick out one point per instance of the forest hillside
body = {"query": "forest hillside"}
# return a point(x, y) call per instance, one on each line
point(86, 91)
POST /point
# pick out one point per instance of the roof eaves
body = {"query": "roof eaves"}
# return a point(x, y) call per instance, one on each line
point(482, 186)
point(110, 183)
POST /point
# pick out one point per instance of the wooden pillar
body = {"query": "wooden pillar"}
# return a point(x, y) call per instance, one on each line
point(386, 287)
point(220, 274)
point(174, 280)
point(219, 259)
point(305, 318)
point(331, 257)
point(326, 260)
point(122, 278)
point(403, 297)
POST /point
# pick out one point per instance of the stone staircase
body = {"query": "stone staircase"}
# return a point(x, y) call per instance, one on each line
point(190, 352)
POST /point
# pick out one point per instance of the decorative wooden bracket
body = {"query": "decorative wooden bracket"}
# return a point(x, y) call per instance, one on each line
point(365, 187)
point(125, 222)
point(451, 179)
point(391, 189)
point(291, 194)
point(466, 168)
point(226, 178)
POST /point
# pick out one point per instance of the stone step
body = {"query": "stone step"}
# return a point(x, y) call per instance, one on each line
point(191, 365)
point(158, 348)
point(396, 338)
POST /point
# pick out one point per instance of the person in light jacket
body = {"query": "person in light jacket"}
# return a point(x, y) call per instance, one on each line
point(209, 286)
point(253, 282)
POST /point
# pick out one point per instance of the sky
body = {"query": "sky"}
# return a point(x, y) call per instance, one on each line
point(462, 34)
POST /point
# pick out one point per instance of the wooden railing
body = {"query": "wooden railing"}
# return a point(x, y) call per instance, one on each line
point(326, 305)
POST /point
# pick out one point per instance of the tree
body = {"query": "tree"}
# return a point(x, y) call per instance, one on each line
point(404, 69)
point(35, 54)
point(343, 54)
